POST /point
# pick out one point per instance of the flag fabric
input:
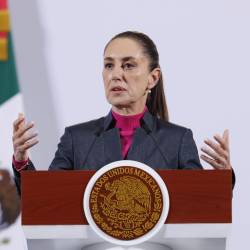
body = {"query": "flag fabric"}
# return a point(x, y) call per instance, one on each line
point(10, 106)
point(10, 97)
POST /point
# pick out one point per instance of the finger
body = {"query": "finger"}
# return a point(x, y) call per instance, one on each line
point(28, 145)
point(23, 122)
point(23, 129)
point(26, 137)
point(221, 141)
point(226, 137)
point(18, 121)
point(212, 162)
point(214, 155)
point(217, 148)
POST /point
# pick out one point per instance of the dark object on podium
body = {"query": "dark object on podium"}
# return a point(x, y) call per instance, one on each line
point(9, 200)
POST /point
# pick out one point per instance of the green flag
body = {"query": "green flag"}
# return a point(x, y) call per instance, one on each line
point(10, 97)
point(8, 78)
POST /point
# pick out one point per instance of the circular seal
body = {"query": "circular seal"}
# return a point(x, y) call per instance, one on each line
point(126, 202)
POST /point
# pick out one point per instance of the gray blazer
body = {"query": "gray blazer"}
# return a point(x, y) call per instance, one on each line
point(93, 144)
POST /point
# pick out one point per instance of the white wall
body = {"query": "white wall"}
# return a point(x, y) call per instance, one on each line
point(204, 54)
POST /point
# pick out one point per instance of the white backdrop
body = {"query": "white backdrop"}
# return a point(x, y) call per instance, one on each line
point(204, 54)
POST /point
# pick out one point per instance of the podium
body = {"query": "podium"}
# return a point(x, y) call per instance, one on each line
point(200, 213)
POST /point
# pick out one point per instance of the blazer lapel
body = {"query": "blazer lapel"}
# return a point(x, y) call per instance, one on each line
point(112, 145)
point(111, 139)
point(138, 149)
point(142, 145)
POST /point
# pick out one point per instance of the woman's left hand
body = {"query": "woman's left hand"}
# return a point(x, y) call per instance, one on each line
point(217, 154)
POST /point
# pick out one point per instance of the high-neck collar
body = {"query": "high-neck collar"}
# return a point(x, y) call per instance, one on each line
point(128, 122)
point(148, 120)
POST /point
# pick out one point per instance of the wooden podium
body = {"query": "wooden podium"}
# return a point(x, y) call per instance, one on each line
point(200, 213)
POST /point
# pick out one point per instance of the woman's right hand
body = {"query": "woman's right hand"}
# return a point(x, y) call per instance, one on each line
point(23, 138)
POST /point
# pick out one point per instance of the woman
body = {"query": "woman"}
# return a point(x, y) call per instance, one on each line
point(137, 127)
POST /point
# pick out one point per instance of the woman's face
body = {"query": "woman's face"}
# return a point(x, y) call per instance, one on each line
point(126, 74)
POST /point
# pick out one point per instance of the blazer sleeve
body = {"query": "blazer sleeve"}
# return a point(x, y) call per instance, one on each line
point(188, 153)
point(17, 174)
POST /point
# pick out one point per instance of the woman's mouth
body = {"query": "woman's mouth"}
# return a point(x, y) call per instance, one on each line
point(117, 89)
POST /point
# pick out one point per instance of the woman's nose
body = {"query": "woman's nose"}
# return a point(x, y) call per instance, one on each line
point(117, 73)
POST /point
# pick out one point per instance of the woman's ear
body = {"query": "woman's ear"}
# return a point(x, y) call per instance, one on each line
point(154, 77)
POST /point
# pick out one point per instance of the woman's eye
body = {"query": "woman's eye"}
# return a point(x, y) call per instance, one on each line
point(108, 66)
point(128, 66)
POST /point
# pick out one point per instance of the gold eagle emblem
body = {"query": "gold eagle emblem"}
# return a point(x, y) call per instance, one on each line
point(126, 202)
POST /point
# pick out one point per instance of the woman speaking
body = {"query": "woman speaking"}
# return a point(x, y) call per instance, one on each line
point(136, 128)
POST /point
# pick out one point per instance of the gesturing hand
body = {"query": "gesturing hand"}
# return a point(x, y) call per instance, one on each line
point(217, 154)
point(23, 138)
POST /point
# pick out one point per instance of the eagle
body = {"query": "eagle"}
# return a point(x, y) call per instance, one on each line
point(128, 194)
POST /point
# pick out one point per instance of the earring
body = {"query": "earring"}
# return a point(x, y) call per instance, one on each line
point(149, 91)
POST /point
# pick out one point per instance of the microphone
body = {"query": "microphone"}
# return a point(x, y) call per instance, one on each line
point(149, 132)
